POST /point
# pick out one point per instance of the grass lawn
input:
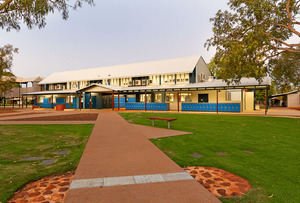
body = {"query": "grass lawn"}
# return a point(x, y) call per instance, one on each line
point(20, 141)
point(273, 170)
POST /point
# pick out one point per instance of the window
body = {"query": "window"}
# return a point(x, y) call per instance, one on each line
point(228, 96)
point(158, 98)
point(170, 97)
point(41, 99)
point(142, 98)
point(186, 97)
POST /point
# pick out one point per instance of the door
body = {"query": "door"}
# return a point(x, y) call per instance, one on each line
point(94, 102)
point(202, 98)
point(106, 101)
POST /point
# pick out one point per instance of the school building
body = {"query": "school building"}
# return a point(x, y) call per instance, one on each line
point(181, 84)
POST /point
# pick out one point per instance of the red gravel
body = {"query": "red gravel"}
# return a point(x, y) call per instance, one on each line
point(219, 182)
point(48, 189)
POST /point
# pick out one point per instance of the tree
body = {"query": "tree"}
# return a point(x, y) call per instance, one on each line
point(6, 58)
point(214, 69)
point(252, 34)
point(286, 71)
point(32, 13)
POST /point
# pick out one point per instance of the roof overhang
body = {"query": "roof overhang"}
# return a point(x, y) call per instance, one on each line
point(51, 92)
point(99, 88)
point(284, 94)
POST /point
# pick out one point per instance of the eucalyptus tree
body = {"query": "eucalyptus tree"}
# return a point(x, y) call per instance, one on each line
point(252, 33)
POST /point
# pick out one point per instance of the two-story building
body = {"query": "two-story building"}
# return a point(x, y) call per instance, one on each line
point(23, 85)
point(176, 84)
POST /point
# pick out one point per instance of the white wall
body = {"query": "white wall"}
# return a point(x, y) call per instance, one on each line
point(293, 100)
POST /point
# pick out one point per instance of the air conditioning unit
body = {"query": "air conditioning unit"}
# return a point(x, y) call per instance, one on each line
point(210, 78)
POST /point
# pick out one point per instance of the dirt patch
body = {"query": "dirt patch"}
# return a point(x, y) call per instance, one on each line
point(20, 114)
point(219, 182)
point(48, 189)
point(7, 110)
point(72, 117)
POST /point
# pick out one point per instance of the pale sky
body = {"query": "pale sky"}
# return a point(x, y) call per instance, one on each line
point(115, 32)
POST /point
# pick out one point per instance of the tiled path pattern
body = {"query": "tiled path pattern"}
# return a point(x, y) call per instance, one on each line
point(46, 190)
point(219, 182)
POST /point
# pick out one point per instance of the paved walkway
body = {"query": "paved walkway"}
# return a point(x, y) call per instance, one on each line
point(120, 164)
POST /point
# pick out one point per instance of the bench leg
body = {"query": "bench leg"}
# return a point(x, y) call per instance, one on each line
point(169, 124)
point(153, 122)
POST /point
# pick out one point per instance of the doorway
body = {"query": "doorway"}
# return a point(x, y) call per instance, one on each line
point(202, 98)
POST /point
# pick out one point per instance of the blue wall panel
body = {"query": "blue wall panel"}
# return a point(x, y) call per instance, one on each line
point(131, 99)
point(122, 102)
point(150, 106)
point(222, 107)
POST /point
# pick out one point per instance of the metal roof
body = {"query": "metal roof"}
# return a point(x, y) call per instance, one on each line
point(215, 84)
point(283, 94)
point(244, 83)
point(170, 66)
point(51, 92)
point(29, 79)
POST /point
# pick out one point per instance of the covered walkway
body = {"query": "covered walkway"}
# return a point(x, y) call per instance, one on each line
point(120, 164)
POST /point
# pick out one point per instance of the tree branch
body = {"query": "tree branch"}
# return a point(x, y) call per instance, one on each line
point(281, 41)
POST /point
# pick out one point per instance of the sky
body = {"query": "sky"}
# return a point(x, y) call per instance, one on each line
point(114, 32)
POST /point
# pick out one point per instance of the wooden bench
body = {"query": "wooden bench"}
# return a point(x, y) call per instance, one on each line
point(165, 119)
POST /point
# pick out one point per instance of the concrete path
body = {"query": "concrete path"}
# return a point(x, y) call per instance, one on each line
point(120, 164)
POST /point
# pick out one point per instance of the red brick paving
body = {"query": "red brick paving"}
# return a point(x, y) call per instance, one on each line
point(219, 182)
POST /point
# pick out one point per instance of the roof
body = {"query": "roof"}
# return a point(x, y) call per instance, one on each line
point(244, 83)
point(51, 92)
point(29, 79)
point(283, 94)
point(170, 66)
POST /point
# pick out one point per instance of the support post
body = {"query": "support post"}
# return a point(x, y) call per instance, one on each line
point(26, 101)
point(118, 101)
point(19, 95)
point(13, 102)
point(145, 101)
point(178, 101)
point(217, 101)
point(254, 99)
point(90, 100)
point(79, 101)
point(266, 101)
point(113, 101)
point(22, 102)
point(242, 100)
point(4, 101)
point(52, 101)
point(36, 103)
point(70, 101)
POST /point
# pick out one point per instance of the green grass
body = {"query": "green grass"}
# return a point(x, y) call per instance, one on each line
point(20, 141)
point(273, 170)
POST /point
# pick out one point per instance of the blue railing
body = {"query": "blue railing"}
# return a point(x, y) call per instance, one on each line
point(222, 107)
point(150, 106)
